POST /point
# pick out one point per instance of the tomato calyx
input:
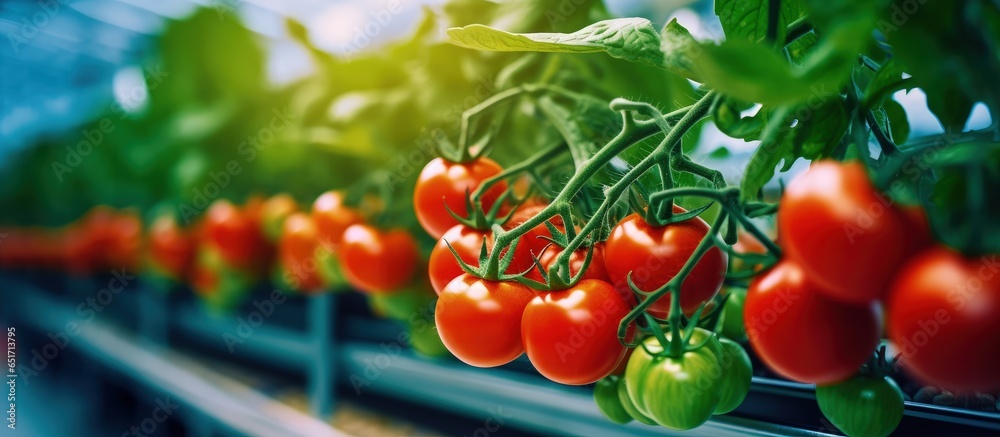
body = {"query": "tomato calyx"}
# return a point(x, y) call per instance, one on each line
point(476, 218)
point(879, 365)
point(490, 267)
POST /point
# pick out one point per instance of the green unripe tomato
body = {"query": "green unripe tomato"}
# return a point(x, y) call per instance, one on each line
point(678, 393)
point(425, 341)
point(606, 398)
point(862, 406)
point(630, 407)
point(736, 375)
point(731, 320)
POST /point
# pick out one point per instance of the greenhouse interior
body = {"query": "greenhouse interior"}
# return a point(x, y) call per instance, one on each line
point(493, 218)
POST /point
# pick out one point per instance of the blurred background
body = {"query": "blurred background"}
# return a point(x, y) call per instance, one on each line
point(161, 107)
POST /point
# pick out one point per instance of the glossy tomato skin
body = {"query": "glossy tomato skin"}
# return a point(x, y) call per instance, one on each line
point(480, 321)
point(297, 251)
point(333, 217)
point(678, 393)
point(237, 235)
point(378, 261)
point(732, 316)
point(171, 248)
point(655, 255)
point(862, 406)
point(571, 336)
point(842, 231)
point(804, 335)
point(443, 183)
point(606, 398)
point(443, 267)
point(944, 316)
point(630, 407)
point(736, 375)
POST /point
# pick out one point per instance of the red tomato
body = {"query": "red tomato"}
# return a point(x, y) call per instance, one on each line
point(479, 321)
point(944, 315)
point(273, 213)
point(803, 335)
point(297, 252)
point(746, 243)
point(916, 228)
point(377, 261)
point(444, 183)
point(237, 236)
point(537, 237)
point(571, 336)
point(468, 242)
point(333, 217)
point(842, 231)
point(171, 248)
point(595, 270)
point(655, 255)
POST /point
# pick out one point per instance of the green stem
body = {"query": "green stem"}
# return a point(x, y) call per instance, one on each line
point(540, 157)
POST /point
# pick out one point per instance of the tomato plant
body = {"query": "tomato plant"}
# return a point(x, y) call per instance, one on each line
point(378, 261)
point(606, 398)
point(654, 255)
point(479, 320)
point(333, 217)
point(297, 251)
point(736, 374)
point(571, 336)
point(833, 210)
point(237, 235)
point(171, 248)
point(444, 185)
point(467, 242)
point(273, 213)
point(802, 334)
point(862, 406)
point(944, 315)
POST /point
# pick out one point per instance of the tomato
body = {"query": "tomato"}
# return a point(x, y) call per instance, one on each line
point(862, 406)
point(655, 255)
point(424, 340)
point(171, 248)
point(220, 286)
point(606, 398)
point(442, 183)
point(802, 334)
point(944, 316)
point(333, 217)
point(747, 244)
point(443, 267)
point(480, 321)
point(571, 336)
point(273, 213)
point(620, 369)
point(403, 304)
point(237, 236)
point(536, 238)
point(736, 375)
point(630, 407)
point(678, 393)
point(595, 270)
point(297, 251)
point(378, 261)
point(916, 227)
point(842, 231)
point(731, 319)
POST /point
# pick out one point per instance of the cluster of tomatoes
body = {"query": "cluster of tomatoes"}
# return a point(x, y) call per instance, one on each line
point(851, 257)
point(102, 240)
point(569, 329)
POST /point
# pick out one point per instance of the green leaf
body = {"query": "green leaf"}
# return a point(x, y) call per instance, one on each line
point(751, 72)
point(746, 20)
point(719, 153)
point(679, 48)
point(729, 120)
point(775, 146)
point(819, 130)
point(899, 125)
point(888, 79)
point(631, 39)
